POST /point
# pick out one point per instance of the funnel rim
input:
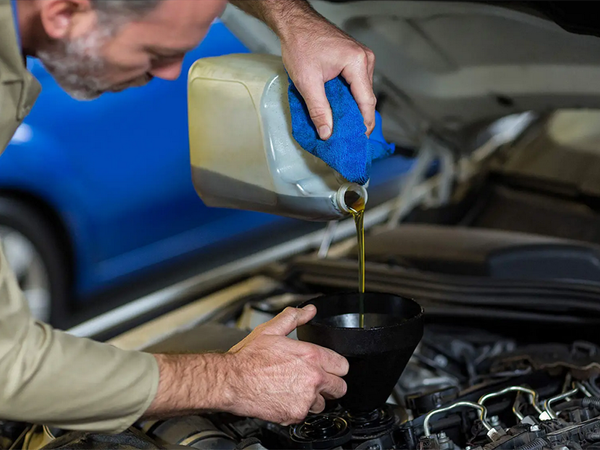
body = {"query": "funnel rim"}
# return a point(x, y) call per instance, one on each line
point(364, 330)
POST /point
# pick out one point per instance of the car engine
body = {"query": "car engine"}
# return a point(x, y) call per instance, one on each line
point(475, 391)
point(462, 389)
point(516, 370)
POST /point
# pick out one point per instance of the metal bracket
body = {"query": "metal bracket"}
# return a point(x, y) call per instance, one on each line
point(415, 187)
point(437, 190)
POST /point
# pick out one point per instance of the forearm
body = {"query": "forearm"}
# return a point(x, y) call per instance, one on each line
point(279, 15)
point(191, 384)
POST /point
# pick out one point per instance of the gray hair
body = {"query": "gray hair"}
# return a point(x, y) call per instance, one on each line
point(125, 8)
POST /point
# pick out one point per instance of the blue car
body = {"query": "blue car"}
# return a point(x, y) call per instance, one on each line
point(96, 194)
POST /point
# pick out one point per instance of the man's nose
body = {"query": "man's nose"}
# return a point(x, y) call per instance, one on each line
point(168, 72)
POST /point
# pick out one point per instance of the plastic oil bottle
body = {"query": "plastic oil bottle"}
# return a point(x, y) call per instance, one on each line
point(243, 154)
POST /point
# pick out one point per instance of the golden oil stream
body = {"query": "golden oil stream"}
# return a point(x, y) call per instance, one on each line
point(358, 212)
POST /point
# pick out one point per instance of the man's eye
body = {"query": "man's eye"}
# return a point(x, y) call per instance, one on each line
point(164, 59)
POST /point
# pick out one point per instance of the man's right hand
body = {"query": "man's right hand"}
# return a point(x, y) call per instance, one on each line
point(279, 379)
point(267, 375)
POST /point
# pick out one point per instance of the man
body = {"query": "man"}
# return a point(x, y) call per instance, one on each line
point(97, 46)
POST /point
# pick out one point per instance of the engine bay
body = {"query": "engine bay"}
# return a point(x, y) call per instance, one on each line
point(463, 388)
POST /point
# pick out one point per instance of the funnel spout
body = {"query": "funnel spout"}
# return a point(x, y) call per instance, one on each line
point(377, 353)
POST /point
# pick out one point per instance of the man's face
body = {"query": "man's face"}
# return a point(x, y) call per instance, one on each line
point(100, 53)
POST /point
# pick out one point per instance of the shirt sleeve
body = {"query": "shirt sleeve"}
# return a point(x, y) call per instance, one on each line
point(53, 378)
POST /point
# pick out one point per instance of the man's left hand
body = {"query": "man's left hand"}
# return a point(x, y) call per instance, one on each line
point(314, 52)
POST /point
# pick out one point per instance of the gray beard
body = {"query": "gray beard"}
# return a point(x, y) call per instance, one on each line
point(78, 66)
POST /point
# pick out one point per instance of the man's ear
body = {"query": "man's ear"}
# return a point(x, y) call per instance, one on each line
point(58, 16)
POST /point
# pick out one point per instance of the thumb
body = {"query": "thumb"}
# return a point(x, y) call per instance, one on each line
point(288, 320)
point(319, 109)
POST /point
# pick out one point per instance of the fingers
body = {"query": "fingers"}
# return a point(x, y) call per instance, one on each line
point(333, 363)
point(333, 387)
point(313, 91)
point(306, 314)
point(288, 320)
point(318, 405)
point(371, 65)
point(360, 78)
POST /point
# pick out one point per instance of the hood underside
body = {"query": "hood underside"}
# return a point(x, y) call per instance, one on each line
point(447, 66)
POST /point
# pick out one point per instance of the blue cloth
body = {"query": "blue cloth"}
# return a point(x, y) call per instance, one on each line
point(15, 12)
point(348, 151)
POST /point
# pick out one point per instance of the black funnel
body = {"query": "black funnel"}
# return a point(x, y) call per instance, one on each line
point(377, 353)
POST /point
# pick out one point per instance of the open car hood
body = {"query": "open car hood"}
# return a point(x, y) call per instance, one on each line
point(448, 67)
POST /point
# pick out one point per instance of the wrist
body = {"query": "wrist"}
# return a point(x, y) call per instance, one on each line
point(192, 383)
point(289, 17)
point(223, 396)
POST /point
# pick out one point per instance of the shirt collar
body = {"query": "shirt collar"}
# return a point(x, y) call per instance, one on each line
point(13, 4)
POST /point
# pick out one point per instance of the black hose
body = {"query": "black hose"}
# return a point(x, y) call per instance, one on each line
point(246, 443)
point(591, 401)
point(569, 404)
point(593, 386)
point(537, 444)
point(460, 289)
point(593, 437)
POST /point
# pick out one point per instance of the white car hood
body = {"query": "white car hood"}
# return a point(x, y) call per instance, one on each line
point(447, 66)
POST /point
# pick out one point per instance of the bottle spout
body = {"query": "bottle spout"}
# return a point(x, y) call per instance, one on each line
point(349, 196)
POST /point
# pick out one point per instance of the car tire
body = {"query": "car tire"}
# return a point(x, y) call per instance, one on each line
point(27, 233)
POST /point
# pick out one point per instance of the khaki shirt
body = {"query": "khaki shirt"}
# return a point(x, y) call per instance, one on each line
point(47, 376)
